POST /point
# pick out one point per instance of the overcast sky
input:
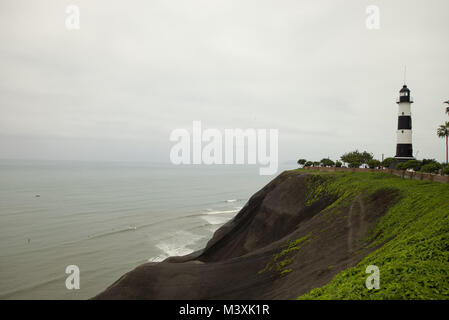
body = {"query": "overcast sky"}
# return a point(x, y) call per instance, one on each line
point(136, 70)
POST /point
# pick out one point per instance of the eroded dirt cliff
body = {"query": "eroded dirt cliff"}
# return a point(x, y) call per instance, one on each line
point(291, 236)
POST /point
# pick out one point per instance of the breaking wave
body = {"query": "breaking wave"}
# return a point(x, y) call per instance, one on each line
point(179, 244)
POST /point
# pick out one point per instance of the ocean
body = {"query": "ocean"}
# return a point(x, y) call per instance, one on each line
point(107, 218)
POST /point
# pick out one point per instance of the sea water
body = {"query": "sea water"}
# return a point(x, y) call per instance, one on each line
point(107, 218)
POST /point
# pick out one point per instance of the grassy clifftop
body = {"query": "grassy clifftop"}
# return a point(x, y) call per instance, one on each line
point(411, 239)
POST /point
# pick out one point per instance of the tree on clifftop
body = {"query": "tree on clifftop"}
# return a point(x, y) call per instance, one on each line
point(413, 164)
point(308, 164)
point(401, 166)
point(327, 162)
point(387, 162)
point(433, 167)
point(355, 158)
point(443, 132)
point(302, 161)
point(373, 163)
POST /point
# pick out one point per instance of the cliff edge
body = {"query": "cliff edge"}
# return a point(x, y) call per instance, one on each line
point(294, 235)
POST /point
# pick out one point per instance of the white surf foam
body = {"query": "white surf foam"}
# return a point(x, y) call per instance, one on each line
point(213, 228)
point(220, 211)
point(215, 220)
point(177, 245)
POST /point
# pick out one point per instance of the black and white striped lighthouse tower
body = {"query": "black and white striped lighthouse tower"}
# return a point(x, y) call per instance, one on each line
point(404, 148)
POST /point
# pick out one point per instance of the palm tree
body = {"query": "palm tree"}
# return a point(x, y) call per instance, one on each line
point(447, 108)
point(443, 132)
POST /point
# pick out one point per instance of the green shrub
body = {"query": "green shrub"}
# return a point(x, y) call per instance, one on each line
point(338, 164)
point(427, 161)
point(356, 158)
point(373, 163)
point(354, 164)
point(327, 162)
point(413, 164)
point(432, 167)
point(387, 162)
point(401, 166)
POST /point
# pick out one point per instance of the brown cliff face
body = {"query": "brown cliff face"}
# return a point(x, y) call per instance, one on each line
point(279, 246)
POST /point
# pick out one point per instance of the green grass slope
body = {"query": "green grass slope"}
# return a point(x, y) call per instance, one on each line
point(412, 238)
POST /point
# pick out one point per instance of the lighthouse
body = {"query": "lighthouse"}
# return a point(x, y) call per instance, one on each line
point(404, 148)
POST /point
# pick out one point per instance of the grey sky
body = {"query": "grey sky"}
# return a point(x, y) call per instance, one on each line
point(136, 70)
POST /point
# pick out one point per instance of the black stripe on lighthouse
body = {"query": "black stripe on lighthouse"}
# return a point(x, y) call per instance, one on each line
point(404, 123)
point(404, 150)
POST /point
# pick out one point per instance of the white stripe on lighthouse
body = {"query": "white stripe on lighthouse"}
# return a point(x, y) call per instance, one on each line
point(404, 136)
point(404, 109)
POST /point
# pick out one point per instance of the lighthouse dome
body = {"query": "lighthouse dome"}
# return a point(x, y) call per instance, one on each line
point(404, 89)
